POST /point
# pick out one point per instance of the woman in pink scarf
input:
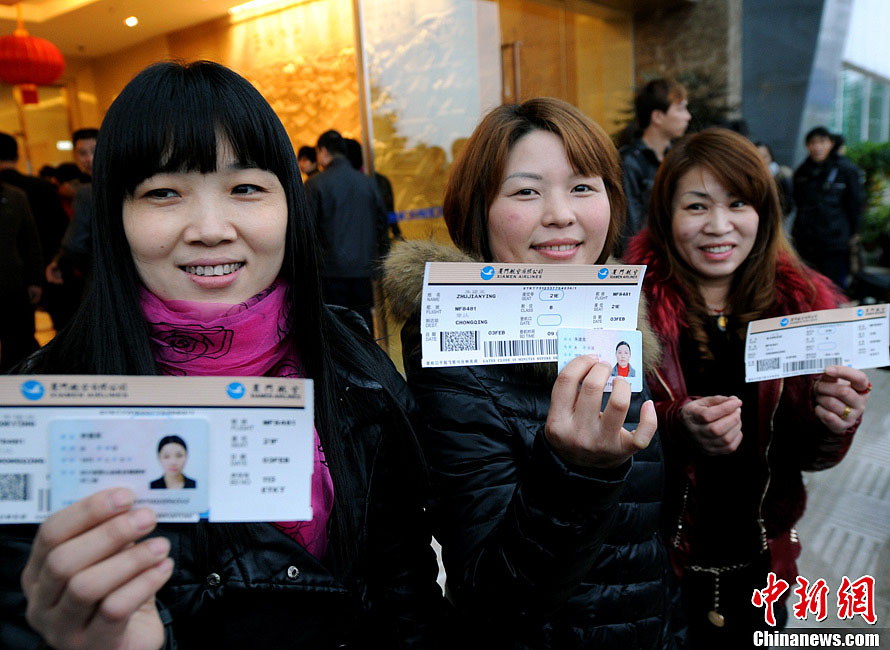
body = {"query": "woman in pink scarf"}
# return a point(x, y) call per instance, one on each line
point(206, 264)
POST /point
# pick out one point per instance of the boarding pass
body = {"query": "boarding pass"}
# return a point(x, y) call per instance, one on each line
point(803, 344)
point(480, 314)
point(224, 449)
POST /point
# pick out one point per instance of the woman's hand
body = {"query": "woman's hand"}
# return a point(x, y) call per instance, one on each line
point(89, 584)
point(577, 430)
point(715, 423)
point(841, 394)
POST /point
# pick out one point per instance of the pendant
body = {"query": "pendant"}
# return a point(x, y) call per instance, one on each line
point(716, 618)
point(722, 321)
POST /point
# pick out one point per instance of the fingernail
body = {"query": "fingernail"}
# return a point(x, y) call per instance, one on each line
point(142, 518)
point(158, 545)
point(165, 566)
point(121, 498)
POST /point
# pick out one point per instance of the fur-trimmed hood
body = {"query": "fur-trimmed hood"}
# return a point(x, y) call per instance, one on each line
point(795, 292)
point(403, 287)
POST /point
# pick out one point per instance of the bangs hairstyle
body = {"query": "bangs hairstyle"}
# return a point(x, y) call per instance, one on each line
point(478, 173)
point(736, 164)
point(172, 117)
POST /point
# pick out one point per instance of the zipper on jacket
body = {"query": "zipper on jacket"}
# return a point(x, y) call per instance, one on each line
point(772, 433)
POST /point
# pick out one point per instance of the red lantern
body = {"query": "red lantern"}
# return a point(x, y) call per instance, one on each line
point(28, 61)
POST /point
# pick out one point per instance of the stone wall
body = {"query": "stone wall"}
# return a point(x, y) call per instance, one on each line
point(702, 37)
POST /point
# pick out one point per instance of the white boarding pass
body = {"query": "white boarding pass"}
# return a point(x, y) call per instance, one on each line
point(480, 314)
point(623, 350)
point(803, 344)
point(220, 448)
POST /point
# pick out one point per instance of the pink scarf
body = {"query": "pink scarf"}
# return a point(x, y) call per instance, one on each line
point(249, 339)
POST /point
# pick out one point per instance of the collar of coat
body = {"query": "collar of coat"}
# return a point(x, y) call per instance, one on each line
point(795, 291)
point(403, 287)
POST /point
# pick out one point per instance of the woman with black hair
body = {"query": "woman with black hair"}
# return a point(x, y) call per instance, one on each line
point(202, 225)
point(172, 455)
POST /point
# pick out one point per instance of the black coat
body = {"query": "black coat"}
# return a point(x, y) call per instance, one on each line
point(21, 263)
point(537, 553)
point(830, 198)
point(350, 218)
point(46, 208)
point(271, 593)
point(639, 164)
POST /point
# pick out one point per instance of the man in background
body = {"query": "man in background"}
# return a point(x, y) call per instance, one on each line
point(829, 190)
point(20, 275)
point(43, 200)
point(351, 225)
point(70, 265)
point(662, 116)
point(307, 160)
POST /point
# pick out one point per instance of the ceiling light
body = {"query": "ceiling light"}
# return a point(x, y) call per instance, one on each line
point(64, 145)
point(132, 21)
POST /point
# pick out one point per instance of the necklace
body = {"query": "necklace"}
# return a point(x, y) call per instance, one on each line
point(722, 320)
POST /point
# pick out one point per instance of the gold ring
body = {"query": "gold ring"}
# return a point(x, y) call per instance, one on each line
point(847, 411)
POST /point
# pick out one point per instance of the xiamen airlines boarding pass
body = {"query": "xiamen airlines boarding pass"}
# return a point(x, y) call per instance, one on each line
point(242, 448)
point(481, 314)
point(802, 344)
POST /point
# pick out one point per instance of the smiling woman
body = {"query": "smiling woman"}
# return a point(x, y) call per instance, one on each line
point(717, 259)
point(206, 264)
point(546, 496)
point(211, 237)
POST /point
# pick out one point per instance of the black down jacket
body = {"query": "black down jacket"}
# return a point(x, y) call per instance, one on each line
point(537, 553)
point(270, 592)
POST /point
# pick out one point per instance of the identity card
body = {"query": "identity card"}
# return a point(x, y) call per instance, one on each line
point(623, 350)
point(802, 344)
point(480, 314)
point(220, 448)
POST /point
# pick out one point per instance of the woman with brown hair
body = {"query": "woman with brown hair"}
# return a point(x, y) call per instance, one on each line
point(717, 259)
point(546, 496)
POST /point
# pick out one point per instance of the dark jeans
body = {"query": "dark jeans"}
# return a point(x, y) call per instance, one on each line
point(356, 294)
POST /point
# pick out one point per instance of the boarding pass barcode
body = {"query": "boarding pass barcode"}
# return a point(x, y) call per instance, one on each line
point(521, 347)
point(20, 487)
point(15, 487)
point(461, 341)
point(768, 364)
point(809, 364)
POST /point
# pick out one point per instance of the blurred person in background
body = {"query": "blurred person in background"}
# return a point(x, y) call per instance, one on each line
point(71, 263)
point(829, 191)
point(307, 160)
point(354, 153)
point(20, 276)
point(351, 224)
point(46, 209)
point(662, 116)
point(782, 175)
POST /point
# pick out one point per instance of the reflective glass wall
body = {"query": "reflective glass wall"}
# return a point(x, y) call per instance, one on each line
point(863, 107)
point(433, 71)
